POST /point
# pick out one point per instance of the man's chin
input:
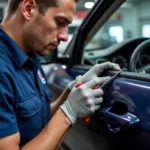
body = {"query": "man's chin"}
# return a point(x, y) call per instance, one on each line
point(44, 54)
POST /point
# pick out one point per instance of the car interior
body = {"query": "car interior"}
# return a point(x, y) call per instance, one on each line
point(121, 40)
point(117, 31)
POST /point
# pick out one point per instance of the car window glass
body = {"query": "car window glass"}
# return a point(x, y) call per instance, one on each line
point(129, 23)
point(80, 14)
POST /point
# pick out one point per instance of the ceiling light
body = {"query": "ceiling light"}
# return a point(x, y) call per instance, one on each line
point(89, 5)
point(126, 5)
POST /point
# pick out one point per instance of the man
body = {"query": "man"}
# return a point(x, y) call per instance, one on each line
point(32, 28)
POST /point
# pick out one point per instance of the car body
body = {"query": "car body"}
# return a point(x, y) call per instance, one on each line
point(123, 121)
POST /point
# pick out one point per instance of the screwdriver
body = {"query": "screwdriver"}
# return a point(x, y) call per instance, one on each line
point(88, 118)
point(111, 79)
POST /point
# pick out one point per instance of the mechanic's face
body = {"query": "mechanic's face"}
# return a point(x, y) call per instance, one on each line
point(43, 33)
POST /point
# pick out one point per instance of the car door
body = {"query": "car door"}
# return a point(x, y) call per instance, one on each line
point(123, 120)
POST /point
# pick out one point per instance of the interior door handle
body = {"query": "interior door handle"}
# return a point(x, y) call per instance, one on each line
point(116, 121)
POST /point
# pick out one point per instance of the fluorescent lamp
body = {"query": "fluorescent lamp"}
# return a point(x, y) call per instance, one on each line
point(89, 5)
point(126, 5)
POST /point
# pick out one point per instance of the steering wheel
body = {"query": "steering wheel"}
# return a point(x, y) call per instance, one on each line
point(135, 58)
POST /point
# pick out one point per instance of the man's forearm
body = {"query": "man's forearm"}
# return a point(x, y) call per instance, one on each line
point(60, 100)
point(51, 135)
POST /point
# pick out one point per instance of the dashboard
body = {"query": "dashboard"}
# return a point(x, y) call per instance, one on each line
point(119, 53)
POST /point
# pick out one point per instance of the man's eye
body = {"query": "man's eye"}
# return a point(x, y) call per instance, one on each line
point(60, 23)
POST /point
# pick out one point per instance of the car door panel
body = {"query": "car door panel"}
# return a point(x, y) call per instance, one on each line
point(128, 93)
point(122, 122)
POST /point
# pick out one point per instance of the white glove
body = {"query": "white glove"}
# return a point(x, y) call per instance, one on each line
point(83, 101)
point(96, 71)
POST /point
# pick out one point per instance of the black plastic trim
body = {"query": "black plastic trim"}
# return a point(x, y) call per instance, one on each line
point(130, 75)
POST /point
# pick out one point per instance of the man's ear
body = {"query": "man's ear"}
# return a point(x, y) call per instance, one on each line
point(27, 7)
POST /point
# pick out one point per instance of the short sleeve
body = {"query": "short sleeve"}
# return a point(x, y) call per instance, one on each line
point(8, 121)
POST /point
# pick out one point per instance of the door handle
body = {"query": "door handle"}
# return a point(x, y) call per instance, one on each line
point(115, 121)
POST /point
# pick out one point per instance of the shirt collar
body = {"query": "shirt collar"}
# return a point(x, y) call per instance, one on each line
point(35, 58)
point(13, 50)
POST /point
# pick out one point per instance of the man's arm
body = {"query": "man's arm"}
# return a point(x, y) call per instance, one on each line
point(48, 139)
point(93, 73)
point(60, 100)
point(81, 102)
point(10, 142)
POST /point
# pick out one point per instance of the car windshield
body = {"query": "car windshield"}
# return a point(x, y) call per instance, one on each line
point(71, 29)
point(117, 40)
point(130, 21)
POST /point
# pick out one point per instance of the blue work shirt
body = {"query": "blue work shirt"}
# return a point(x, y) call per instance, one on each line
point(24, 93)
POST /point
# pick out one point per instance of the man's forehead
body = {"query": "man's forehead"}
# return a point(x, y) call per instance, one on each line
point(68, 5)
point(65, 10)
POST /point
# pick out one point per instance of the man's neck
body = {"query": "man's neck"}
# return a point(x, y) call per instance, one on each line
point(14, 29)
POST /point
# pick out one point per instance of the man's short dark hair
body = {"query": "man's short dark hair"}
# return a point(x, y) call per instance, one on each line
point(43, 5)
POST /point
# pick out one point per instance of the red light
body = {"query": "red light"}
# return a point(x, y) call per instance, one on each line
point(87, 119)
point(81, 14)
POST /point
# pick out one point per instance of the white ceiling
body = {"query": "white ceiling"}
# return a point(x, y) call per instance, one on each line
point(80, 4)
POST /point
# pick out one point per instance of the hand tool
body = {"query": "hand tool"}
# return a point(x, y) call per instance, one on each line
point(88, 118)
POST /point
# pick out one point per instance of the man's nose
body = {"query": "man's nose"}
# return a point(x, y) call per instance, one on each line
point(63, 35)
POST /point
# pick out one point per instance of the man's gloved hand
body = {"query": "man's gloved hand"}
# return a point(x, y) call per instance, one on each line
point(83, 101)
point(96, 71)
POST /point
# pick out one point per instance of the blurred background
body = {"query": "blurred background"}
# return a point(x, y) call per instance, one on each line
point(131, 20)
